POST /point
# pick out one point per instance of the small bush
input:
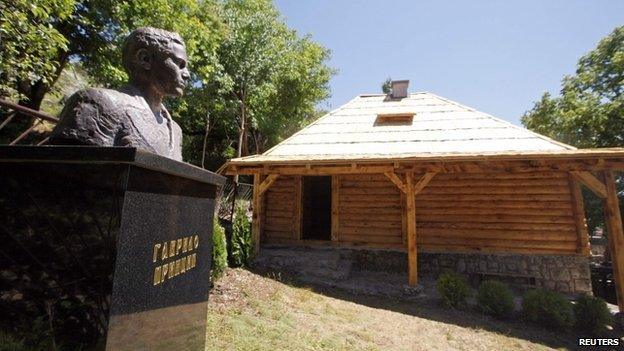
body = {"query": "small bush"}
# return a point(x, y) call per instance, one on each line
point(9, 342)
point(548, 309)
point(219, 250)
point(453, 289)
point(591, 314)
point(495, 298)
point(242, 242)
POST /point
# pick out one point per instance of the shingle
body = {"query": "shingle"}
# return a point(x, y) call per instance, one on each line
point(439, 126)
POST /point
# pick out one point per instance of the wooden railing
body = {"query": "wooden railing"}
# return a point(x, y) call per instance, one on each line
point(18, 111)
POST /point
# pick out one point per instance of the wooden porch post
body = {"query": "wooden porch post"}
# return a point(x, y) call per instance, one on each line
point(410, 208)
point(579, 216)
point(256, 226)
point(260, 186)
point(616, 236)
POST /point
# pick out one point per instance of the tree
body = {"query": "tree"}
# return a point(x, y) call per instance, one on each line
point(386, 86)
point(30, 43)
point(91, 31)
point(266, 84)
point(589, 112)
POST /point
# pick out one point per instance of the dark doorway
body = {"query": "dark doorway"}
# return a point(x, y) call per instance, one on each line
point(317, 202)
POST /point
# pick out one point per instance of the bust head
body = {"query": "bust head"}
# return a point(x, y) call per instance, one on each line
point(156, 59)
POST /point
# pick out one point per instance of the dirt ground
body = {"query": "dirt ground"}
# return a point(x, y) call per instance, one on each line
point(249, 311)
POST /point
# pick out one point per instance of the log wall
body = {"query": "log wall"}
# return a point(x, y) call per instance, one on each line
point(466, 212)
point(521, 212)
point(495, 212)
point(370, 211)
point(280, 209)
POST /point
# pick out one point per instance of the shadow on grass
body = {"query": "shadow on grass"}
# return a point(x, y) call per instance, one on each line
point(431, 309)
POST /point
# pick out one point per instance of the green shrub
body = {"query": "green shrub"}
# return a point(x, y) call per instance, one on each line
point(9, 342)
point(495, 298)
point(591, 314)
point(242, 242)
point(548, 309)
point(219, 250)
point(453, 289)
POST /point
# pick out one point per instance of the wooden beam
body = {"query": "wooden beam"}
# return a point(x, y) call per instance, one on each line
point(616, 235)
point(591, 182)
point(394, 178)
point(335, 210)
point(256, 226)
point(410, 208)
point(422, 183)
point(578, 209)
point(404, 219)
point(447, 165)
point(296, 223)
point(264, 186)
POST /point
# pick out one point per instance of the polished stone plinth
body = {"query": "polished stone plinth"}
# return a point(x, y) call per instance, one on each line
point(114, 240)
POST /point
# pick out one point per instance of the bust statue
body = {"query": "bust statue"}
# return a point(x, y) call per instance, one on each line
point(134, 115)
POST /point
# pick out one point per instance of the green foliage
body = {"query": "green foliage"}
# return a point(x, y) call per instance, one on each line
point(30, 42)
point(547, 308)
point(40, 38)
point(242, 241)
point(219, 250)
point(592, 314)
point(265, 76)
point(453, 289)
point(495, 298)
point(589, 112)
point(9, 342)
point(245, 63)
point(386, 86)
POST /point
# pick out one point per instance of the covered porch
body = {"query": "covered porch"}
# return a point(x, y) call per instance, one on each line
point(520, 203)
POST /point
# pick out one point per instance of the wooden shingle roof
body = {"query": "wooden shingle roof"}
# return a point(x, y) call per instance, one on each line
point(439, 126)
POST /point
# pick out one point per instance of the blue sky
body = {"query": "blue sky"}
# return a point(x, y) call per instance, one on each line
point(496, 56)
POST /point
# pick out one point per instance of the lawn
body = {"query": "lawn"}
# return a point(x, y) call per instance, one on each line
point(253, 312)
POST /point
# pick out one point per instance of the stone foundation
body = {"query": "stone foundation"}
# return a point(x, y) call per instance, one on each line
point(564, 273)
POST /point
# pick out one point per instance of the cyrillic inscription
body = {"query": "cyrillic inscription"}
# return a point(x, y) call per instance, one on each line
point(174, 257)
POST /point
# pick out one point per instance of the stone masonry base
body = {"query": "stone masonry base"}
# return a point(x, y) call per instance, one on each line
point(564, 273)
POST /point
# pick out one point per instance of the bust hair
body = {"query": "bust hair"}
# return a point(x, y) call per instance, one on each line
point(154, 40)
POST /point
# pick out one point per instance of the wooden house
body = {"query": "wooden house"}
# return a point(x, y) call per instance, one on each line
point(419, 173)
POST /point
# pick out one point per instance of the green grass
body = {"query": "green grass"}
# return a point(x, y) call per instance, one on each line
point(251, 312)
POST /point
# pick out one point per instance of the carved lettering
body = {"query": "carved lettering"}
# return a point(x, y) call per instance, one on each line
point(157, 275)
point(165, 252)
point(178, 246)
point(178, 254)
point(185, 244)
point(172, 248)
point(165, 271)
point(182, 265)
point(155, 255)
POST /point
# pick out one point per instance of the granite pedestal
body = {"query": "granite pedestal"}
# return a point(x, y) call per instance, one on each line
point(106, 241)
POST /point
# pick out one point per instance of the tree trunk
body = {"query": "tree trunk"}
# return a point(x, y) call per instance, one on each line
point(35, 92)
point(242, 135)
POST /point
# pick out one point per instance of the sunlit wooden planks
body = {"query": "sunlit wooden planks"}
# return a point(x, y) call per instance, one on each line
point(369, 210)
point(498, 212)
point(279, 208)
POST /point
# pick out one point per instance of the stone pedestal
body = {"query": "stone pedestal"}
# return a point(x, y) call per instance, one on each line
point(107, 241)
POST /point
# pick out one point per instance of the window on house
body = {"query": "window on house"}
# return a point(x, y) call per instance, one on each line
point(394, 119)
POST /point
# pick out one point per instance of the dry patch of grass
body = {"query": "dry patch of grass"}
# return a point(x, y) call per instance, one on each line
point(251, 312)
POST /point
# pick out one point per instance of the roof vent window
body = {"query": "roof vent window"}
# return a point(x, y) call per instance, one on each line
point(394, 119)
point(399, 89)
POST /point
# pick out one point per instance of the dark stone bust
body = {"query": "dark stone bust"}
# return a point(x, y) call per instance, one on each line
point(134, 115)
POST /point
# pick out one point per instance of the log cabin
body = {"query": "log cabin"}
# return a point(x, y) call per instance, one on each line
point(438, 182)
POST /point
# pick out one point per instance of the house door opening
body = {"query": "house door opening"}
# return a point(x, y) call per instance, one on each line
point(317, 202)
